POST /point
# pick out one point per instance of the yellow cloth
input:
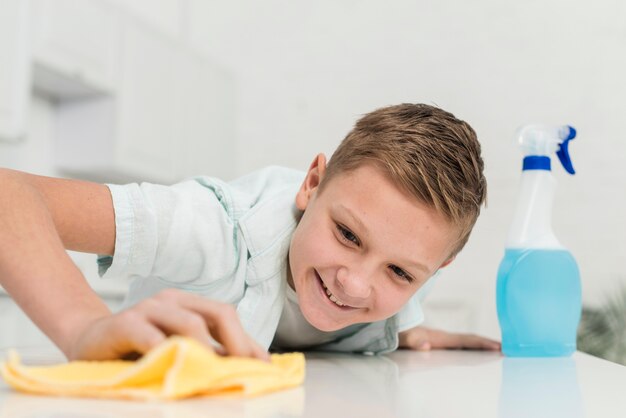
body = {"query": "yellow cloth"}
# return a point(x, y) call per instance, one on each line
point(177, 368)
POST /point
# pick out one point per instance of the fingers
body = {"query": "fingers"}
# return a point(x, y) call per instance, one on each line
point(424, 339)
point(116, 336)
point(423, 346)
point(137, 334)
point(464, 341)
point(482, 343)
point(223, 324)
point(204, 319)
point(415, 339)
point(171, 312)
point(174, 320)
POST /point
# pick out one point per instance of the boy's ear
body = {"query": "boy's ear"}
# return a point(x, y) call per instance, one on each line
point(448, 261)
point(311, 181)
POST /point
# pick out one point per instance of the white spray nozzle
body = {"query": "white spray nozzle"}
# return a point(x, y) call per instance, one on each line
point(542, 139)
point(545, 140)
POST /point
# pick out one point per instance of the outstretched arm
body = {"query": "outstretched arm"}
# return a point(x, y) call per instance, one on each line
point(40, 217)
point(424, 339)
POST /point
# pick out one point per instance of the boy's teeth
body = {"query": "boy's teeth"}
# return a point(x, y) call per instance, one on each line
point(331, 296)
point(334, 299)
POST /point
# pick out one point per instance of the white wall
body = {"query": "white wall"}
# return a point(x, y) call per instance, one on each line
point(307, 70)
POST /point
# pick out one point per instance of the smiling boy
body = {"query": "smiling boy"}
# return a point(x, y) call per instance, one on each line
point(334, 259)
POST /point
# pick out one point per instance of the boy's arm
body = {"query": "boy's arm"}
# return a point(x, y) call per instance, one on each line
point(424, 339)
point(39, 218)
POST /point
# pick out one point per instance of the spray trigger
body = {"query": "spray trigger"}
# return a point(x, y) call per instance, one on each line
point(563, 152)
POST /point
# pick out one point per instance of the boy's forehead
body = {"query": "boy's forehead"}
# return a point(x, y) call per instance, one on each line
point(362, 179)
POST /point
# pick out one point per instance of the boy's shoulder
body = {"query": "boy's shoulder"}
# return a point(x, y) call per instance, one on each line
point(262, 203)
point(252, 189)
point(268, 180)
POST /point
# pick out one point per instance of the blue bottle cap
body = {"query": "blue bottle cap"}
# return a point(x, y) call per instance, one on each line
point(536, 162)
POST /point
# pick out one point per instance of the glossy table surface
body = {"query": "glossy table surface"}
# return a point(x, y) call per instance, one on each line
point(403, 384)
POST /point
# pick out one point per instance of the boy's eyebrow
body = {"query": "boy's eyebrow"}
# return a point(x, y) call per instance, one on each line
point(362, 227)
point(354, 218)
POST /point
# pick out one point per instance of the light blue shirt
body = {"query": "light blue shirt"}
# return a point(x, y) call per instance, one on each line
point(228, 242)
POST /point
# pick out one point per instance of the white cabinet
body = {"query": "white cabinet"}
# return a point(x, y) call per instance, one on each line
point(133, 101)
point(75, 47)
point(205, 117)
point(166, 15)
point(172, 115)
point(14, 68)
point(146, 102)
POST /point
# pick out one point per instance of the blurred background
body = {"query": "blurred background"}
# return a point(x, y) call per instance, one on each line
point(158, 90)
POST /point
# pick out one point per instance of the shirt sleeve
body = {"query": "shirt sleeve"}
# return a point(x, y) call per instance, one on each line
point(178, 233)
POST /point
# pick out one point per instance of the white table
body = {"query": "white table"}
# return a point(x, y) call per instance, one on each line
point(404, 384)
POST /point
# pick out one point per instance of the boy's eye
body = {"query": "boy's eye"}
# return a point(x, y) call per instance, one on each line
point(401, 273)
point(347, 235)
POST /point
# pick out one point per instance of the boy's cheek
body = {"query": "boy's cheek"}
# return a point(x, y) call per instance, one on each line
point(316, 246)
point(391, 302)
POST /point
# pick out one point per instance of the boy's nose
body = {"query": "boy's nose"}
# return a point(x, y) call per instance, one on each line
point(354, 283)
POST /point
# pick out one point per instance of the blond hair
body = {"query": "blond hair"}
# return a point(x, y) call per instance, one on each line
point(426, 152)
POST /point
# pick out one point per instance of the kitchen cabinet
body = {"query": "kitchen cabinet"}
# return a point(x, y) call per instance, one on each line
point(14, 69)
point(171, 115)
point(75, 47)
point(145, 106)
point(205, 120)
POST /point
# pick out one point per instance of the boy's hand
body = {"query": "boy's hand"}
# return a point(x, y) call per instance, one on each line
point(145, 325)
point(424, 339)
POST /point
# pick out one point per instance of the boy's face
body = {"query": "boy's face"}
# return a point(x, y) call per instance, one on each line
point(364, 242)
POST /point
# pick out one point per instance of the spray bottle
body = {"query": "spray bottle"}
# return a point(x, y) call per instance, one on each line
point(538, 291)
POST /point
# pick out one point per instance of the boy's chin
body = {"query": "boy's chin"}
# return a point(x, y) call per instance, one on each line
point(326, 325)
point(323, 325)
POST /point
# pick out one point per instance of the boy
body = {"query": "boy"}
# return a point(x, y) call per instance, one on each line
point(333, 260)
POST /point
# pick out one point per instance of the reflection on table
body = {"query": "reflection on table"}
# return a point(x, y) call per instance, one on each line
point(434, 384)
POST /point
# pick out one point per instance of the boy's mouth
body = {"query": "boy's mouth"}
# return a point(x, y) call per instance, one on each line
point(330, 295)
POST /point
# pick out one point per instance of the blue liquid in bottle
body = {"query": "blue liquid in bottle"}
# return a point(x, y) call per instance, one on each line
point(538, 297)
